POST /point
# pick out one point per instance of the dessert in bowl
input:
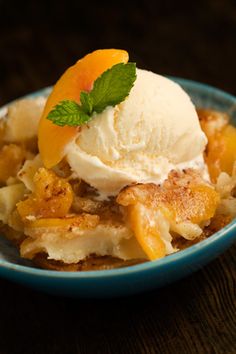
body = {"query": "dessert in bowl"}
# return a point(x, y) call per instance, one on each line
point(126, 172)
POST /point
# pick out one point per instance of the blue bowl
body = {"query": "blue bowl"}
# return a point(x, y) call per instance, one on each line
point(138, 278)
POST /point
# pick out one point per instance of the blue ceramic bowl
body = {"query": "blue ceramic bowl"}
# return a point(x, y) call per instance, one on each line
point(134, 279)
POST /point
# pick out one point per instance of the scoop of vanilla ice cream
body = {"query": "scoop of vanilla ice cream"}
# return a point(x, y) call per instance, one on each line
point(156, 129)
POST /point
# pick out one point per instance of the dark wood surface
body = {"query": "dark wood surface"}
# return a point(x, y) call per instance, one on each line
point(194, 40)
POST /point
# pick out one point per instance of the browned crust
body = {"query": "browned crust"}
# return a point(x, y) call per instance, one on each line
point(91, 263)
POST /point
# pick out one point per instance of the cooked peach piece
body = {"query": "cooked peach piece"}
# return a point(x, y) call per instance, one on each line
point(203, 201)
point(79, 77)
point(52, 198)
point(11, 158)
point(212, 121)
point(221, 152)
point(142, 221)
point(194, 203)
point(221, 149)
point(181, 198)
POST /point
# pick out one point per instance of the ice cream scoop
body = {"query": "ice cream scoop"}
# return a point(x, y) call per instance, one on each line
point(156, 129)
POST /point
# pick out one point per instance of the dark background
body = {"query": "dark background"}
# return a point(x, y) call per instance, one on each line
point(191, 39)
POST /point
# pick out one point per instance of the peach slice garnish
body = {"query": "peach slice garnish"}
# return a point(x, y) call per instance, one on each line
point(79, 77)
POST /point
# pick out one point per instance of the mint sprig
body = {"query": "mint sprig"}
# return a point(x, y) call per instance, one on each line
point(68, 113)
point(110, 89)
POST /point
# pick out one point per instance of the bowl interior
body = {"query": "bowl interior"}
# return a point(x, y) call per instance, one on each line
point(203, 96)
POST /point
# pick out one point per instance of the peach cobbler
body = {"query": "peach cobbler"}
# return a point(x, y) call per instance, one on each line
point(114, 168)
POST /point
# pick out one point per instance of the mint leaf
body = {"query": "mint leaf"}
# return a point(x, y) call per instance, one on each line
point(68, 113)
point(113, 86)
point(86, 102)
point(110, 89)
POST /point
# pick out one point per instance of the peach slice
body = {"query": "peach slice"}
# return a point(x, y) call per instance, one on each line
point(221, 152)
point(203, 201)
point(79, 77)
point(144, 225)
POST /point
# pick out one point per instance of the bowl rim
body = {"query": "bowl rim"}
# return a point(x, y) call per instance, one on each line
point(159, 264)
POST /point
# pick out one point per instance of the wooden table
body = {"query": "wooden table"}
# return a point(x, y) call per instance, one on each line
point(194, 40)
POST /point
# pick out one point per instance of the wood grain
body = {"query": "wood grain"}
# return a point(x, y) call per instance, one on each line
point(195, 315)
